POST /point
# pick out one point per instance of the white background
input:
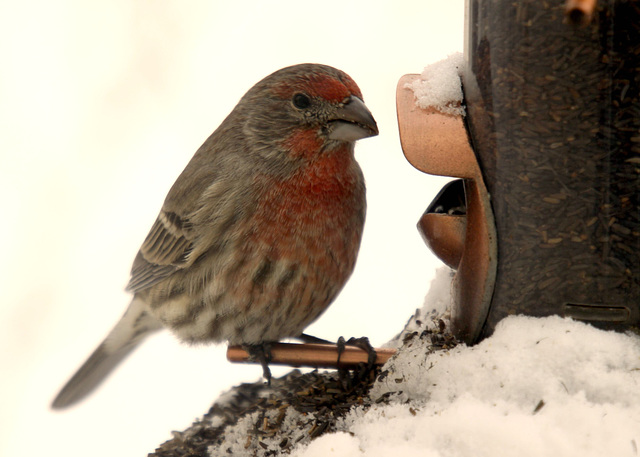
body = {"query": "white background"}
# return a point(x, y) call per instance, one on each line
point(102, 104)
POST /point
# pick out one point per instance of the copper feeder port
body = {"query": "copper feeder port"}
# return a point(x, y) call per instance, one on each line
point(438, 144)
point(443, 225)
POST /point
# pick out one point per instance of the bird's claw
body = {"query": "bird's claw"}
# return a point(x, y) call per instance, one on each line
point(261, 353)
point(362, 371)
point(362, 343)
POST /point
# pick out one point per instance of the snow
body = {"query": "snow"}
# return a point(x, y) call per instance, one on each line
point(339, 444)
point(236, 436)
point(537, 387)
point(435, 306)
point(439, 85)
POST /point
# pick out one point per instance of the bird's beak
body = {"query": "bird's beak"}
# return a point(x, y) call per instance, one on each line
point(352, 121)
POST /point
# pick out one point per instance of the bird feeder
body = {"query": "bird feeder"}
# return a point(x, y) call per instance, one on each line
point(548, 161)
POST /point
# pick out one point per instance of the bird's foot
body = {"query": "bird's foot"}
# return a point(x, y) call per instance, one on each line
point(362, 343)
point(261, 353)
point(362, 371)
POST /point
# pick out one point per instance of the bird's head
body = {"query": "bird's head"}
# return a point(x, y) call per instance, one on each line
point(307, 109)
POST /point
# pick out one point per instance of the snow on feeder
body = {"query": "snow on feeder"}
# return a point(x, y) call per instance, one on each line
point(546, 217)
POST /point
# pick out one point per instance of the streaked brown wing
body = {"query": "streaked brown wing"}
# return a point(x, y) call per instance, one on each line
point(164, 251)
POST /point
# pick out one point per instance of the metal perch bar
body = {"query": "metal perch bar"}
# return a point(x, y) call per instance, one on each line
point(312, 355)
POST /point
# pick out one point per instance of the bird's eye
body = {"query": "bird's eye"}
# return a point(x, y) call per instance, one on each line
point(301, 101)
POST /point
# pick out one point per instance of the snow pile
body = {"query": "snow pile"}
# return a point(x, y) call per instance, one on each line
point(238, 438)
point(439, 86)
point(435, 307)
point(537, 387)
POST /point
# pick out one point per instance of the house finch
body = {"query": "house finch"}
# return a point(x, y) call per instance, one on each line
point(261, 230)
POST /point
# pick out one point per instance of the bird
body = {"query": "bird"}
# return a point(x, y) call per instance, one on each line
point(261, 230)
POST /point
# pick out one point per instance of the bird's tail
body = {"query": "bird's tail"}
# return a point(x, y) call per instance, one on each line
point(129, 332)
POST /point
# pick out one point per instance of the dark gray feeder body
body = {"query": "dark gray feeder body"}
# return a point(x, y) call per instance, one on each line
point(554, 118)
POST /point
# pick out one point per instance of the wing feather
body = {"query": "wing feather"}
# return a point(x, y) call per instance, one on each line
point(165, 250)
